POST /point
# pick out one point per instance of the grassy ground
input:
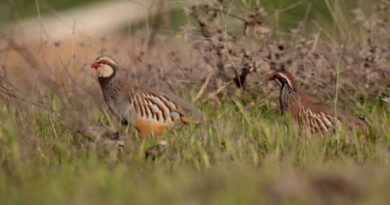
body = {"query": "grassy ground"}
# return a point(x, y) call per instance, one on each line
point(244, 155)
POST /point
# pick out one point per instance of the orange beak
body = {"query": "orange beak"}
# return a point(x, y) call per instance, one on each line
point(95, 65)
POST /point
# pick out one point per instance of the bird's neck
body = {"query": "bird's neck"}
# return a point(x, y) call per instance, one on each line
point(286, 98)
point(110, 87)
point(106, 81)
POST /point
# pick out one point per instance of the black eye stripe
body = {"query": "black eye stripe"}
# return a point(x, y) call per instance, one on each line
point(103, 62)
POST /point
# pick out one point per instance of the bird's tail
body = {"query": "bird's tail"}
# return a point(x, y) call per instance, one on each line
point(188, 120)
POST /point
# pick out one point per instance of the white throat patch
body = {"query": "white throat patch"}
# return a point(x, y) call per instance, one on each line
point(105, 71)
point(286, 78)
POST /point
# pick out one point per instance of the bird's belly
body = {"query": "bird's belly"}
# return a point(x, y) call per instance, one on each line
point(149, 126)
point(121, 110)
point(113, 108)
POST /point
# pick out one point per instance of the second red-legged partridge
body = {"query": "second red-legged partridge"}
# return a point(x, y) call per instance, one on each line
point(149, 111)
point(310, 113)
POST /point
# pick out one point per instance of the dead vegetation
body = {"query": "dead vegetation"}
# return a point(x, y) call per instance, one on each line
point(359, 65)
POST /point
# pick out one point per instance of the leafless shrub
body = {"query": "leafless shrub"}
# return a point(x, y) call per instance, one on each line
point(237, 58)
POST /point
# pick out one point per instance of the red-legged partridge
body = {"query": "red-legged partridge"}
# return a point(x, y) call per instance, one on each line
point(149, 111)
point(308, 111)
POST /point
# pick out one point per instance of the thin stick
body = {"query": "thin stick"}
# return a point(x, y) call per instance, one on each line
point(43, 30)
point(220, 89)
point(204, 86)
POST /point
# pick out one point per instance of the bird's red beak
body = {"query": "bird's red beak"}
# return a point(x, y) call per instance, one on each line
point(95, 65)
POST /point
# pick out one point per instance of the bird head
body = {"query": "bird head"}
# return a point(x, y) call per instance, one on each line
point(284, 77)
point(105, 66)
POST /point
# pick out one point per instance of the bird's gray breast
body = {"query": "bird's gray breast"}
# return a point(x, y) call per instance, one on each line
point(118, 105)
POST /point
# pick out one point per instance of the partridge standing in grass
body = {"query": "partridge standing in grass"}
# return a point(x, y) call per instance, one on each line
point(309, 112)
point(149, 111)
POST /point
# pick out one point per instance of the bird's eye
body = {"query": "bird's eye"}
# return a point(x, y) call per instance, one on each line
point(103, 62)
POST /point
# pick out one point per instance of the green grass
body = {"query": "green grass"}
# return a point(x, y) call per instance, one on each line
point(243, 155)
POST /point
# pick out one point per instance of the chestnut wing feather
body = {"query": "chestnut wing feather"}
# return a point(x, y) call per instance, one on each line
point(169, 107)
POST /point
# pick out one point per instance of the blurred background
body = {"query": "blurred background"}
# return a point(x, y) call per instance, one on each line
point(98, 17)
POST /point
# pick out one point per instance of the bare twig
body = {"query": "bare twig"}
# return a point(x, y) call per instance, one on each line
point(204, 86)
